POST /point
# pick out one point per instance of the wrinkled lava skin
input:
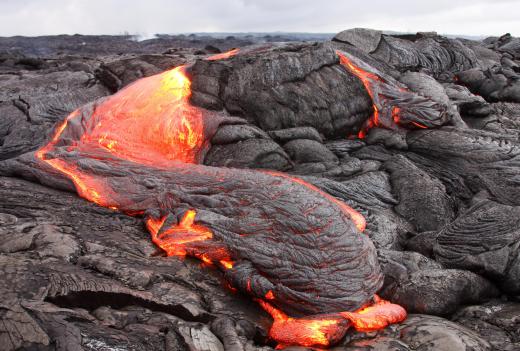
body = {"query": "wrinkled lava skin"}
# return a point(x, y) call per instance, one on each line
point(277, 238)
point(393, 104)
point(280, 234)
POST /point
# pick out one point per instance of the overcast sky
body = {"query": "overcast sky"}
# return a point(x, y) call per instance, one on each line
point(146, 17)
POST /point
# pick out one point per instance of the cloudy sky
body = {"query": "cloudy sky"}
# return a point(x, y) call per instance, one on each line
point(146, 17)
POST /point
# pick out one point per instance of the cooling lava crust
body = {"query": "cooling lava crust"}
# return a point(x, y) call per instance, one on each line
point(296, 250)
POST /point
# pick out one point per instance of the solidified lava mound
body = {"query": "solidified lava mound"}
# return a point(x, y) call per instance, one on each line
point(300, 176)
point(277, 237)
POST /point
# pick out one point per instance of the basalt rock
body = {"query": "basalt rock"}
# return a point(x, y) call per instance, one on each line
point(285, 86)
point(481, 160)
point(436, 55)
point(428, 209)
point(497, 84)
point(496, 321)
point(250, 153)
point(123, 71)
point(422, 332)
point(286, 135)
point(435, 333)
point(366, 40)
point(485, 240)
point(439, 291)
point(305, 150)
point(77, 275)
point(30, 104)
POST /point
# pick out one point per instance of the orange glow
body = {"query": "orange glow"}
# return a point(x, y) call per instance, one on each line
point(419, 125)
point(224, 55)
point(365, 78)
point(152, 123)
point(85, 185)
point(269, 295)
point(325, 330)
point(228, 264)
point(308, 332)
point(174, 238)
point(149, 122)
point(205, 259)
point(369, 80)
point(395, 114)
point(376, 316)
point(356, 217)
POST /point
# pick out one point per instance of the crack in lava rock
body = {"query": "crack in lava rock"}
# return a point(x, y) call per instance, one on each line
point(289, 245)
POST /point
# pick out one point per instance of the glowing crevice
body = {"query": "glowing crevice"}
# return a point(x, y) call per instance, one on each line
point(152, 123)
point(371, 81)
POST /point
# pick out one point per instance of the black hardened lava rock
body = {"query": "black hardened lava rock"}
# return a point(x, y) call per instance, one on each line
point(284, 86)
point(440, 197)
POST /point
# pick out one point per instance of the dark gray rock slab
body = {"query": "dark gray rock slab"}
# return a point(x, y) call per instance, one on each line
point(286, 135)
point(497, 321)
point(422, 332)
point(284, 86)
point(484, 239)
point(365, 39)
point(117, 73)
point(249, 153)
point(468, 161)
point(31, 103)
point(422, 198)
point(439, 291)
point(433, 54)
point(233, 133)
point(306, 151)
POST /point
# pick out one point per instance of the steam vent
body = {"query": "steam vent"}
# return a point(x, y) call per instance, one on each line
point(361, 193)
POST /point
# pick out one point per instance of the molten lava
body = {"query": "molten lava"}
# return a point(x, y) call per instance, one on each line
point(325, 330)
point(385, 94)
point(152, 123)
point(224, 55)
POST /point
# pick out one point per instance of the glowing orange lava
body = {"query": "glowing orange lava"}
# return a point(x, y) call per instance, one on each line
point(324, 330)
point(365, 78)
point(376, 316)
point(152, 123)
point(224, 55)
point(172, 239)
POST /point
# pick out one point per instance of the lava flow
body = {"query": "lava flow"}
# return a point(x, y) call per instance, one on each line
point(325, 330)
point(223, 55)
point(152, 124)
point(385, 92)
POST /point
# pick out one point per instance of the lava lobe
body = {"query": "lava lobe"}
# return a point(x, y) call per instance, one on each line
point(298, 251)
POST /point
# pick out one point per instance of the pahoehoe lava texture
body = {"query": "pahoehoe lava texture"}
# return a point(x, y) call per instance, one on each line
point(308, 252)
point(418, 133)
point(291, 85)
point(282, 235)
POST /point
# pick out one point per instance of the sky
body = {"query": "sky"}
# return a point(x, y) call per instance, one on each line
point(148, 17)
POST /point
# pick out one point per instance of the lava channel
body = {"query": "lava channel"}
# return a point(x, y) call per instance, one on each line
point(296, 250)
point(393, 103)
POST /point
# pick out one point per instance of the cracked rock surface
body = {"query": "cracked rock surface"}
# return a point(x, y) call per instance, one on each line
point(441, 203)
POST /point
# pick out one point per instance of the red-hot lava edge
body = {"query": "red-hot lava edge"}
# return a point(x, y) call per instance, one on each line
point(368, 79)
point(167, 127)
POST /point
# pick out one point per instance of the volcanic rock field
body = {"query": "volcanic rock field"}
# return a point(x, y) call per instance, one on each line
point(253, 193)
